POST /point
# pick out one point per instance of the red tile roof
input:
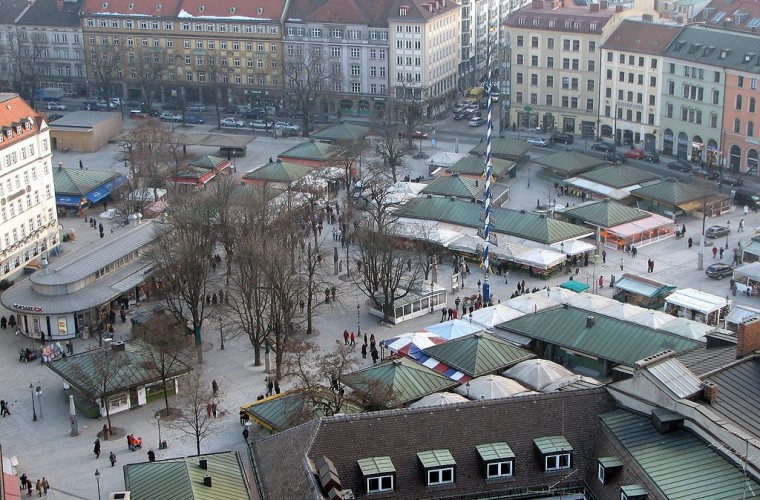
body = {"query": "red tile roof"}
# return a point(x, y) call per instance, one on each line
point(642, 36)
point(157, 8)
point(543, 12)
point(373, 13)
point(15, 116)
point(742, 15)
point(233, 9)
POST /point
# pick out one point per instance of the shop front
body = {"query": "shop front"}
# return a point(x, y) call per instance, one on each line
point(640, 232)
point(416, 303)
point(697, 306)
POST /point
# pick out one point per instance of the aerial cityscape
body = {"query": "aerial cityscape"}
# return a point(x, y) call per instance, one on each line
point(337, 249)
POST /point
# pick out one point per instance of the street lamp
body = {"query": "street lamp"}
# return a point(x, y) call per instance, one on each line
point(431, 297)
point(221, 333)
point(34, 409)
point(358, 320)
point(97, 478)
point(728, 224)
point(158, 422)
point(38, 390)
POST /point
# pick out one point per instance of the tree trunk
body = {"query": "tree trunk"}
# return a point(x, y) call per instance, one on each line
point(166, 396)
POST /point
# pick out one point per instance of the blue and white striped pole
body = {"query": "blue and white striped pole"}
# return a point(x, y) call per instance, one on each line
point(487, 173)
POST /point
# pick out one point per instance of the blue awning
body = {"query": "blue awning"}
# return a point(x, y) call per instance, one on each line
point(67, 200)
point(101, 192)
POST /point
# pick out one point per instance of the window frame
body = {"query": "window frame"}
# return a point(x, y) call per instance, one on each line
point(558, 457)
point(440, 471)
point(500, 464)
point(379, 480)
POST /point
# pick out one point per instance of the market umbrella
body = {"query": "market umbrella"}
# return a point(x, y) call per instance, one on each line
point(562, 293)
point(543, 259)
point(574, 286)
point(591, 302)
point(449, 330)
point(490, 387)
point(494, 315)
point(688, 328)
point(531, 303)
point(621, 310)
point(439, 399)
point(563, 382)
point(537, 373)
point(412, 344)
point(573, 247)
point(652, 319)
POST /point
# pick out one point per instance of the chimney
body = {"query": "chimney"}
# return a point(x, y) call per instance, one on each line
point(118, 346)
point(594, 7)
point(59, 5)
point(203, 464)
point(60, 166)
point(207, 480)
point(710, 391)
point(590, 320)
point(647, 17)
point(619, 9)
point(603, 4)
point(538, 4)
point(748, 337)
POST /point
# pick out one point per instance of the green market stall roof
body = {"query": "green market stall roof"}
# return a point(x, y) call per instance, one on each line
point(280, 171)
point(672, 193)
point(619, 176)
point(568, 163)
point(283, 411)
point(73, 184)
point(210, 162)
point(314, 151)
point(454, 185)
point(475, 165)
point(604, 213)
point(478, 354)
point(341, 132)
point(521, 224)
point(509, 149)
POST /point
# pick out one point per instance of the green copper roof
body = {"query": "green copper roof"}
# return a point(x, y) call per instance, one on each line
point(609, 338)
point(289, 409)
point(678, 463)
point(182, 478)
point(279, 171)
point(454, 185)
point(672, 193)
point(552, 444)
point(191, 172)
point(312, 150)
point(397, 381)
point(475, 165)
point(604, 213)
point(569, 163)
point(75, 181)
point(619, 176)
point(376, 465)
point(208, 162)
point(342, 132)
point(478, 354)
point(503, 148)
point(436, 458)
point(512, 222)
point(494, 451)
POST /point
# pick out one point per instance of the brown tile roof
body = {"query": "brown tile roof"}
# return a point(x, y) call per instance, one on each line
point(373, 13)
point(155, 8)
point(15, 113)
point(742, 15)
point(584, 15)
point(233, 9)
point(420, 10)
point(282, 461)
point(46, 13)
point(642, 37)
point(344, 11)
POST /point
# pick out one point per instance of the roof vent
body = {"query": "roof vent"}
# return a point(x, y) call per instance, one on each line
point(396, 362)
point(207, 480)
point(203, 463)
point(429, 196)
point(118, 346)
point(590, 320)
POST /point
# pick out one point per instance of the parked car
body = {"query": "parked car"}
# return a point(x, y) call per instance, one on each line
point(719, 270)
point(615, 158)
point(537, 141)
point(194, 120)
point(321, 119)
point(477, 121)
point(730, 180)
point(90, 102)
point(262, 124)
point(138, 114)
point(680, 165)
point(604, 147)
point(287, 127)
point(234, 109)
point(636, 154)
point(231, 122)
point(743, 197)
point(705, 174)
point(460, 115)
point(717, 231)
point(196, 108)
point(115, 101)
point(133, 103)
point(167, 116)
point(415, 134)
point(55, 106)
point(458, 109)
point(563, 137)
point(652, 157)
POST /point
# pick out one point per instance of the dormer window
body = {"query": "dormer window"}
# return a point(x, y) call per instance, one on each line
point(202, 8)
point(232, 10)
point(9, 134)
point(402, 12)
point(633, 492)
point(131, 6)
point(379, 474)
point(105, 5)
point(27, 125)
point(439, 467)
point(158, 7)
point(607, 467)
point(497, 460)
point(260, 10)
point(18, 129)
point(554, 453)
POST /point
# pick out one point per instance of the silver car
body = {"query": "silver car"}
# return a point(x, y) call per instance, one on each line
point(231, 122)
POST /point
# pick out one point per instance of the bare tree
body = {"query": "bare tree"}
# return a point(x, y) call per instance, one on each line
point(106, 365)
point(391, 146)
point(350, 157)
point(307, 76)
point(147, 66)
point(22, 50)
point(408, 106)
point(104, 62)
point(193, 416)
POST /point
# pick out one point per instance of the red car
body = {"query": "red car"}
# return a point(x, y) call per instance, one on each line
point(636, 154)
point(416, 134)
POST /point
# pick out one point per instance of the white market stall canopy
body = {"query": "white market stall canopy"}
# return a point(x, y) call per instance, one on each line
point(751, 271)
point(573, 247)
point(447, 160)
point(639, 226)
point(543, 259)
point(607, 191)
point(422, 231)
point(494, 315)
point(694, 300)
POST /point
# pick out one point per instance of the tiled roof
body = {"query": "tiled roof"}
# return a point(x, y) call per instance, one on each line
point(420, 10)
point(282, 461)
point(475, 165)
point(716, 47)
point(125, 369)
point(678, 463)
point(279, 171)
point(342, 132)
point(672, 193)
point(478, 354)
point(609, 338)
point(182, 478)
point(46, 13)
point(645, 37)
point(525, 225)
point(311, 150)
point(706, 359)
point(241, 11)
point(504, 148)
point(398, 380)
point(743, 15)
point(373, 13)
point(11, 10)
point(739, 394)
point(569, 163)
point(15, 113)
point(604, 213)
point(155, 8)
point(454, 185)
point(536, 18)
point(619, 176)
point(78, 182)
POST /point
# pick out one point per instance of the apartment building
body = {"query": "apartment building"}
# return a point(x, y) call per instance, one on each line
point(425, 37)
point(632, 68)
point(186, 50)
point(28, 219)
point(554, 49)
point(350, 39)
point(738, 15)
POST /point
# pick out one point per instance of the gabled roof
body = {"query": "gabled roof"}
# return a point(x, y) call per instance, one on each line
point(707, 359)
point(475, 165)
point(604, 213)
point(504, 148)
point(15, 113)
point(209, 162)
point(478, 354)
point(282, 462)
point(645, 37)
point(619, 176)
point(140, 8)
point(671, 193)
point(46, 13)
point(569, 163)
point(454, 185)
point(741, 15)
point(311, 150)
point(420, 10)
point(521, 224)
point(78, 182)
point(608, 338)
point(710, 46)
point(739, 394)
point(11, 10)
point(283, 411)
point(182, 478)
point(643, 286)
point(538, 16)
point(398, 380)
point(240, 11)
point(279, 171)
point(678, 463)
point(373, 13)
point(342, 132)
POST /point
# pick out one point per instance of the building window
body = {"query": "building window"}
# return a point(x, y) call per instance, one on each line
point(520, 41)
point(499, 470)
point(379, 484)
point(557, 462)
point(437, 477)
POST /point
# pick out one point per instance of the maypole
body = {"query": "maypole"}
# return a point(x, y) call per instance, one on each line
point(488, 239)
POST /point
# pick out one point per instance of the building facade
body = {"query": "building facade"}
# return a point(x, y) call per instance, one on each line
point(740, 118)
point(632, 66)
point(29, 224)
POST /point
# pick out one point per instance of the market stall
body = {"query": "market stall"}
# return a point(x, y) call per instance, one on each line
point(541, 262)
point(640, 232)
point(416, 303)
point(640, 291)
point(698, 306)
point(747, 279)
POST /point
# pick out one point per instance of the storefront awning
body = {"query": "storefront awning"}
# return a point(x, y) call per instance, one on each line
point(652, 222)
point(67, 200)
point(101, 192)
point(696, 300)
point(607, 191)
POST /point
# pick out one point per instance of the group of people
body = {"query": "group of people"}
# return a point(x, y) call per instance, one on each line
point(371, 348)
point(41, 486)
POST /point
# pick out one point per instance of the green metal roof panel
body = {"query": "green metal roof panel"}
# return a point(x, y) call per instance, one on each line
point(436, 458)
point(569, 162)
point(609, 338)
point(552, 444)
point(643, 286)
point(609, 462)
point(633, 490)
point(74, 181)
point(671, 193)
point(279, 171)
point(208, 162)
point(619, 176)
point(280, 412)
point(311, 150)
point(729, 48)
point(342, 132)
point(478, 354)
point(376, 465)
point(475, 165)
point(680, 465)
point(500, 147)
point(525, 225)
point(494, 451)
point(404, 379)
point(191, 172)
point(454, 185)
point(604, 213)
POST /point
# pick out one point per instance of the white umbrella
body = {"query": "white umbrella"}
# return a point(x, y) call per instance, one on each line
point(559, 294)
point(494, 315)
point(490, 387)
point(439, 399)
point(621, 310)
point(541, 258)
point(411, 344)
point(537, 373)
point(652, 319)
point(449, 330)
point(591, 302)
point(531, 303)
point(558, 384)
point(573, 247)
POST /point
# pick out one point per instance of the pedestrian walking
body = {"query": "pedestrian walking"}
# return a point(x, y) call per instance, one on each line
point(105, 432)
point(746, 210)
point(683, 229)
point(345, 337)
point(3, 322)
point(130, 442)
point(741, 226)
point(276, 386)
point(270, 387)
point(622, 263)
point(634, 251)
point(213, 409)
point(364, 351)
point(151, 455)
point(457, 302)
point(714, 252)
point(651, 266)
point(601, 281)
point(365, 338)
point(353, 339)
point(721, 253)
point(208, 409)
point(45, 485)
point(443, 314)
point(375, 356)
point(242, 417)
point(38, 487)
point(4, 408)
point(245, 434)
point(96, 448)
point(690, 241)
point(29, 487)
point(604, 256)
point(214, 387)
point(112, 458)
